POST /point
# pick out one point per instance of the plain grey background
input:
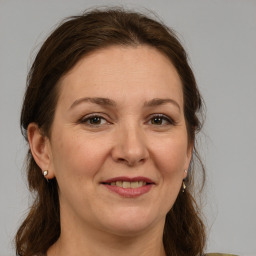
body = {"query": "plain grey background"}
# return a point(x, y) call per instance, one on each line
point(220, 37)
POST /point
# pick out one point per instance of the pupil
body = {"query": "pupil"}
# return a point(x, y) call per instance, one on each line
point(157, 120)
point(95, 120)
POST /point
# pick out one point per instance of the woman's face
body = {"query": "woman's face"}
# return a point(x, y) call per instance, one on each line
point(119, 144)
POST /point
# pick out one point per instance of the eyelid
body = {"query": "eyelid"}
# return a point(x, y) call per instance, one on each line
point(170, 120)
point(105, 117)
point(85, 118)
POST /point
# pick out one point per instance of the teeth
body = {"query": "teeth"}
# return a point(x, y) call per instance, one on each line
point(119, 184)
point(127, 184)
point(140, 183)
point(135, 184)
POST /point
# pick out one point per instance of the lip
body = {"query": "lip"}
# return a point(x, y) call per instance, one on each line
point(129, 192)
point(129, 179)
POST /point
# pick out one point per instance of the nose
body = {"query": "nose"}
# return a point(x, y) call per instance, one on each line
point(130, 146)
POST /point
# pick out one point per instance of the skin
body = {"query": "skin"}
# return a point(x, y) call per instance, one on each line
point(124, 140)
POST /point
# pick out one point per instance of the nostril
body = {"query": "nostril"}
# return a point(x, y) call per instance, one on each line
point(126, 161)
point(122, 160)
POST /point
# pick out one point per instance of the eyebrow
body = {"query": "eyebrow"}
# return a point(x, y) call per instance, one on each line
point(159, 102)
point(111, 103)
point(95, 100)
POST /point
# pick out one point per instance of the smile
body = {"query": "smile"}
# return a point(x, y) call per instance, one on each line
point(129, 187)
point(127, 184)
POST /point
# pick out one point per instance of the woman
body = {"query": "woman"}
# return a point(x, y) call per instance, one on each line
point(110, 114)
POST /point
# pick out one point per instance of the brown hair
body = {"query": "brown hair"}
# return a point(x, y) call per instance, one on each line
point(184, 232)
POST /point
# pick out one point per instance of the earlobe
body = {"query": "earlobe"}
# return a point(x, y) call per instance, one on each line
point(188, 160)
point(40, 149)
point(185, 174)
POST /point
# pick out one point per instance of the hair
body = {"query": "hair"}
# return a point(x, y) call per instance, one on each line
point(74, 38)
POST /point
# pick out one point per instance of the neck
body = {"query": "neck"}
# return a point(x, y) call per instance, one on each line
point(90, 241)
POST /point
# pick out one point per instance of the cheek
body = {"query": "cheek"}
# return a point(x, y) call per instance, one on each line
point(171, 156)
point(76, 156)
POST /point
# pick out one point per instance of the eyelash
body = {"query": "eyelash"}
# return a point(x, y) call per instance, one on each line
point(162, 117)
point(169, 120)
point(87, 118)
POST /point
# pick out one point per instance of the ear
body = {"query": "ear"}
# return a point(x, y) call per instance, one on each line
point(188, 158)
point(40, 148)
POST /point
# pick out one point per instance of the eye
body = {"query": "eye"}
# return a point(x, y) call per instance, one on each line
point(161, 119)
point(94, 120)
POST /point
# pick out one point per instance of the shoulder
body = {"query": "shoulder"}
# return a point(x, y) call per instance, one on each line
point(219, 254)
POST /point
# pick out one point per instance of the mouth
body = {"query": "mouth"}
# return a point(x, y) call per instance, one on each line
point(127, 184)
point(129, 187)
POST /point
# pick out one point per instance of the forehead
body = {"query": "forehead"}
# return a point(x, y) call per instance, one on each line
point(140, 71)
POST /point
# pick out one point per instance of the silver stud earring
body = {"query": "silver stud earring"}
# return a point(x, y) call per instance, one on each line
point(186, 171)
point(45, 174)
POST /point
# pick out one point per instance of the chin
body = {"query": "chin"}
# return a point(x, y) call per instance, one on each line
point(128, 230)
point(132, 223)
